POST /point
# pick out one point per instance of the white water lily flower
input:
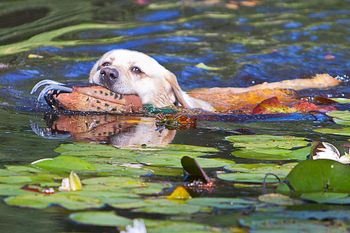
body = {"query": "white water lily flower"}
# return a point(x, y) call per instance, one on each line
point(138, 226)
point(328, 151)
point(345, 159)
point(72, 183)
point(64, 185)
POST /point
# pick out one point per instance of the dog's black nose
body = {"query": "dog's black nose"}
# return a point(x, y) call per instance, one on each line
point(110, 73)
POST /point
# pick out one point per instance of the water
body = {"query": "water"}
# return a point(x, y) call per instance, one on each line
point(271, 41)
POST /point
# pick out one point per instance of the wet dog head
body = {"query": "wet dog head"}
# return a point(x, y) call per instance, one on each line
point(131, 72)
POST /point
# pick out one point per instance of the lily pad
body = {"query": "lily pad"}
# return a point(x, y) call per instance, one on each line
point(64, 163)
point(100, 218)
point(327, 198)
point(345, 131)
point(156, 226)
point(11, 189)
point(124, 182)
point(321, 175)
point(110, 219)
point(175, 161)
point(267, 141)
point(255, 173)
point(269, 147)
point(221, 203)
point(340, 117)
point(15, 179)
point(263, 222)
point(278, 199)
point(159, 206)
point(341, 100)
point(67, 200)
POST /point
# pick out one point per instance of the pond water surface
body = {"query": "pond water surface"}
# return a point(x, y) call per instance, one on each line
point(249, 42)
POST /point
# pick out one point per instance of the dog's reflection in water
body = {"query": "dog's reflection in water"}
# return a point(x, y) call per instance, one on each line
point(120, 131)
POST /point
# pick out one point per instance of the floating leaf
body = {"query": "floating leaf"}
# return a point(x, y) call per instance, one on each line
point(262, 222)
point(158, 226)
point(11, 189)
point(267, 141)
point(327, 198)
point(221, 203)
point(278, 199)
point(66, 200)
point(124, 182)
point(64, 163)
point(317, 176)
point(157, 206)
point(100, 218)
point(269, 147)
point(341, 100)
point(16, 179)
point(175, 161)
point(256, 172)
point(336, 131)
point(340, 117)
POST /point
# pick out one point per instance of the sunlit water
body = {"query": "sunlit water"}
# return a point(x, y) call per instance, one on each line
point(272, 41)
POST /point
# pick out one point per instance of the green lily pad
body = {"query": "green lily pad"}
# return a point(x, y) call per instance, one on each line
point(269, 147)
point(64, 163)
point(156, 226)
point(100, 218)
point(345, 131)
point(158, 206)
point(88, 149)
point(278, 199)
point(15, 179)
point(110, 219)
point(67, 200)
point(188, 148)
point(267, 141)
point(340, 117)
point(124, 182)
point(341, 100)
point(321, 175)
point(262, 222)
point(23, 169)
point(118, 167)
point(273, 154)
point(11, 189)
point(221, 203)
point(122, 185)
point(163, 206)
point(327, 198)
point(175, 161)
point(255, 173)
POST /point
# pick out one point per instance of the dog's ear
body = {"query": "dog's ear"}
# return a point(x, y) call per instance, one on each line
point(179, 94)
point(93, 71)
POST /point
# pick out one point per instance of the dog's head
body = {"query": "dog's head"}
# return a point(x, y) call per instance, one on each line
point(131, 72)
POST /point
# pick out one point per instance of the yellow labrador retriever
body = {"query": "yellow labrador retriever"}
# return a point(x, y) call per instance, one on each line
point(131, 72)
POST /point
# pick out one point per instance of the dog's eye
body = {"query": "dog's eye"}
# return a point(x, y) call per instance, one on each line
point(106, 64)
point(136, 70)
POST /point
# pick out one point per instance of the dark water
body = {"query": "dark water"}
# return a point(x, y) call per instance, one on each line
point(272, 41)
